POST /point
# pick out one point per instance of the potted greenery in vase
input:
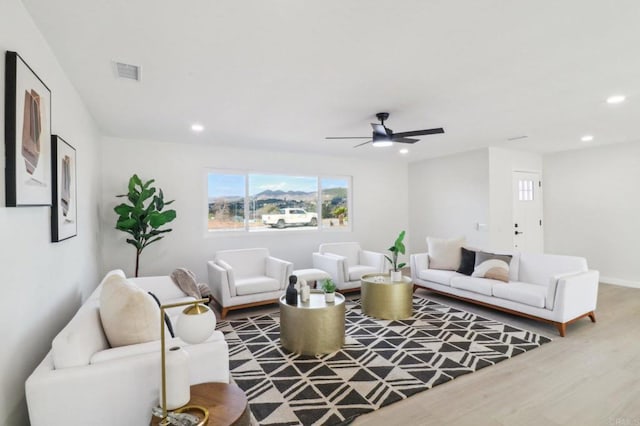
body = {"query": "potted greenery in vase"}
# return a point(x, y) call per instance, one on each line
point(144, 215)
point(329, 288)
point(396, 249)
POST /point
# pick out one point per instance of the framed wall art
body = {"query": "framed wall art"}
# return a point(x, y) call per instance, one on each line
point(27, 135)
point(64, 195)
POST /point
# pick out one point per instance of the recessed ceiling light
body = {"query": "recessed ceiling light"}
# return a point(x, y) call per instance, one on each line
point(616, 99)
point(586, 138)
point(404, 151)
point(197, 127)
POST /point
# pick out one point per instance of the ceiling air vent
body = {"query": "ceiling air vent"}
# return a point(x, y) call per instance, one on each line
point(132, 72)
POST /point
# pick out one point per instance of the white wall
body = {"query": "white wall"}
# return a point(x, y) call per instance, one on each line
point(502, 164)
point(43, 284)
point(592, 208)
point(379, 203)
point(448, 197)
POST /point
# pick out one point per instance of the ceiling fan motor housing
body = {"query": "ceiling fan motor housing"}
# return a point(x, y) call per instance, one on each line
point(382, 116)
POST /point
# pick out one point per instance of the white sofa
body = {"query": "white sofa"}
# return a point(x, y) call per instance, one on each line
point(552, 288)
point(82, 381)
point(244, 278)
point(347, 263)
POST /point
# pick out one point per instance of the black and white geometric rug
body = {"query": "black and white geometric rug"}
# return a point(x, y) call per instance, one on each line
point(382, 361)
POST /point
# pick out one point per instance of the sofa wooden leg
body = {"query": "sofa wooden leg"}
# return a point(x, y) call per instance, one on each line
point(562, 328)
point(224, 312)
point(592, 316)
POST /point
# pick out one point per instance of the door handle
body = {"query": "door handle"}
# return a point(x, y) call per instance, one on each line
point(518, 233)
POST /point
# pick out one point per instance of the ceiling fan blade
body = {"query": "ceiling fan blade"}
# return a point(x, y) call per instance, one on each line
point(348, 137)
point(363, 143)
point(419, 132)
point(404, 140)
point(379, 129)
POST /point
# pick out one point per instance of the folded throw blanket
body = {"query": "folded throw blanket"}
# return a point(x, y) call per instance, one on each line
point(186, 280)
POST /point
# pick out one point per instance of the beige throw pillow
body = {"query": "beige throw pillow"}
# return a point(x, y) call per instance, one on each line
point(494, 269)
point(129, 315)
point(444, 254)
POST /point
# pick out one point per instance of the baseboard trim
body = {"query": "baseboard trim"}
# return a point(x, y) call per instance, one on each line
point(617, 281)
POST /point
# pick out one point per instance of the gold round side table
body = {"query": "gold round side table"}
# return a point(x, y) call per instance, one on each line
point(314, 327)
point(384, 299)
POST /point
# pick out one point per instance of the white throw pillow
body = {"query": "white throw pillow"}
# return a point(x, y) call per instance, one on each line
point(129, 315)
point(494, 269)
point(444, 254)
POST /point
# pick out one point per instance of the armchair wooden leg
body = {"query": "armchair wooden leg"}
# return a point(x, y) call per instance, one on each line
point(562, 328)
point(224, 312)
point(592, 316)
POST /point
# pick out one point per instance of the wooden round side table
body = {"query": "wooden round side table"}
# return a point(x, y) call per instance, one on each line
point(226, 402)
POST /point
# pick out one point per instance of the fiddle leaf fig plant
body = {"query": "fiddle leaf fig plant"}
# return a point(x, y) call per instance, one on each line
point(143, 215)
point(396, 249)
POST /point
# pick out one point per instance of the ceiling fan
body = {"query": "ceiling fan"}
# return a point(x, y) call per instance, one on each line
point(383, 136)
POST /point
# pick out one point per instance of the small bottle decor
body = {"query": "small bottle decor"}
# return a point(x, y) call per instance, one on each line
point(305, 291)
point(291, 296)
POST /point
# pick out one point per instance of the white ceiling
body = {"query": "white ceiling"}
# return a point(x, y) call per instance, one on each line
point(283, 74)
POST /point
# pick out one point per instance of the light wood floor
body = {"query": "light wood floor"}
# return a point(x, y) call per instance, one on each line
point(590, 377)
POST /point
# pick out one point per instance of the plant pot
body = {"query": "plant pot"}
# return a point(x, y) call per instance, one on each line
point(330, 297)
point(395, 276)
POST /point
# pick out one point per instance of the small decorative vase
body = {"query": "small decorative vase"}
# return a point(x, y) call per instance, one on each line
point(396, 276)
point(330, 297)
point(177, 378)
point(305, 292)
point(291, 296)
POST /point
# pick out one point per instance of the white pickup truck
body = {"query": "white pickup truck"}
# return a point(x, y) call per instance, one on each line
point(290, 217)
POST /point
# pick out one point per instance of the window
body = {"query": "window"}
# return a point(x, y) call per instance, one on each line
point(525, 190)
point(258, 202)
point(335, 195)
point(226, 202)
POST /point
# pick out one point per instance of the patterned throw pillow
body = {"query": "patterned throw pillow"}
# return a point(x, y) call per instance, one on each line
point(494, 269)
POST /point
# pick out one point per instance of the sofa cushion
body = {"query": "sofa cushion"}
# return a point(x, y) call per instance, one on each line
point(351, 251)
point(444, 254)
point(476, 285)
point(467, 261)
point(529, 294)
point(129, 315)
point(245, 263)
point(356, 272)
point(494, 269)
point(538, 268)
point(437, 276)
point(513, 259)
point(253, 285)
point(80, 338)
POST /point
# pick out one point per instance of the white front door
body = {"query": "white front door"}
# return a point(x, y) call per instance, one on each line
point(527, 212)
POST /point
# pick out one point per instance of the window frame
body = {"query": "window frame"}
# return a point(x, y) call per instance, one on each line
point(246, 229)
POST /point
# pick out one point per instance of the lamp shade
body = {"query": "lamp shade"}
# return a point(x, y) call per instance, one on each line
point(195, 324)
point(381, 140)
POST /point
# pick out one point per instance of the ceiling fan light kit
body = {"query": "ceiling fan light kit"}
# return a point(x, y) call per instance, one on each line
point(383, 136)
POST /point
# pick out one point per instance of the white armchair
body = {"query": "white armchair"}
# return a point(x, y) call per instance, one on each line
point(247, 277)
point(347, 263)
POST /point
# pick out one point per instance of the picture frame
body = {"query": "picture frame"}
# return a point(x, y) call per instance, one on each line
point(27, 135)
point(64, 210)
